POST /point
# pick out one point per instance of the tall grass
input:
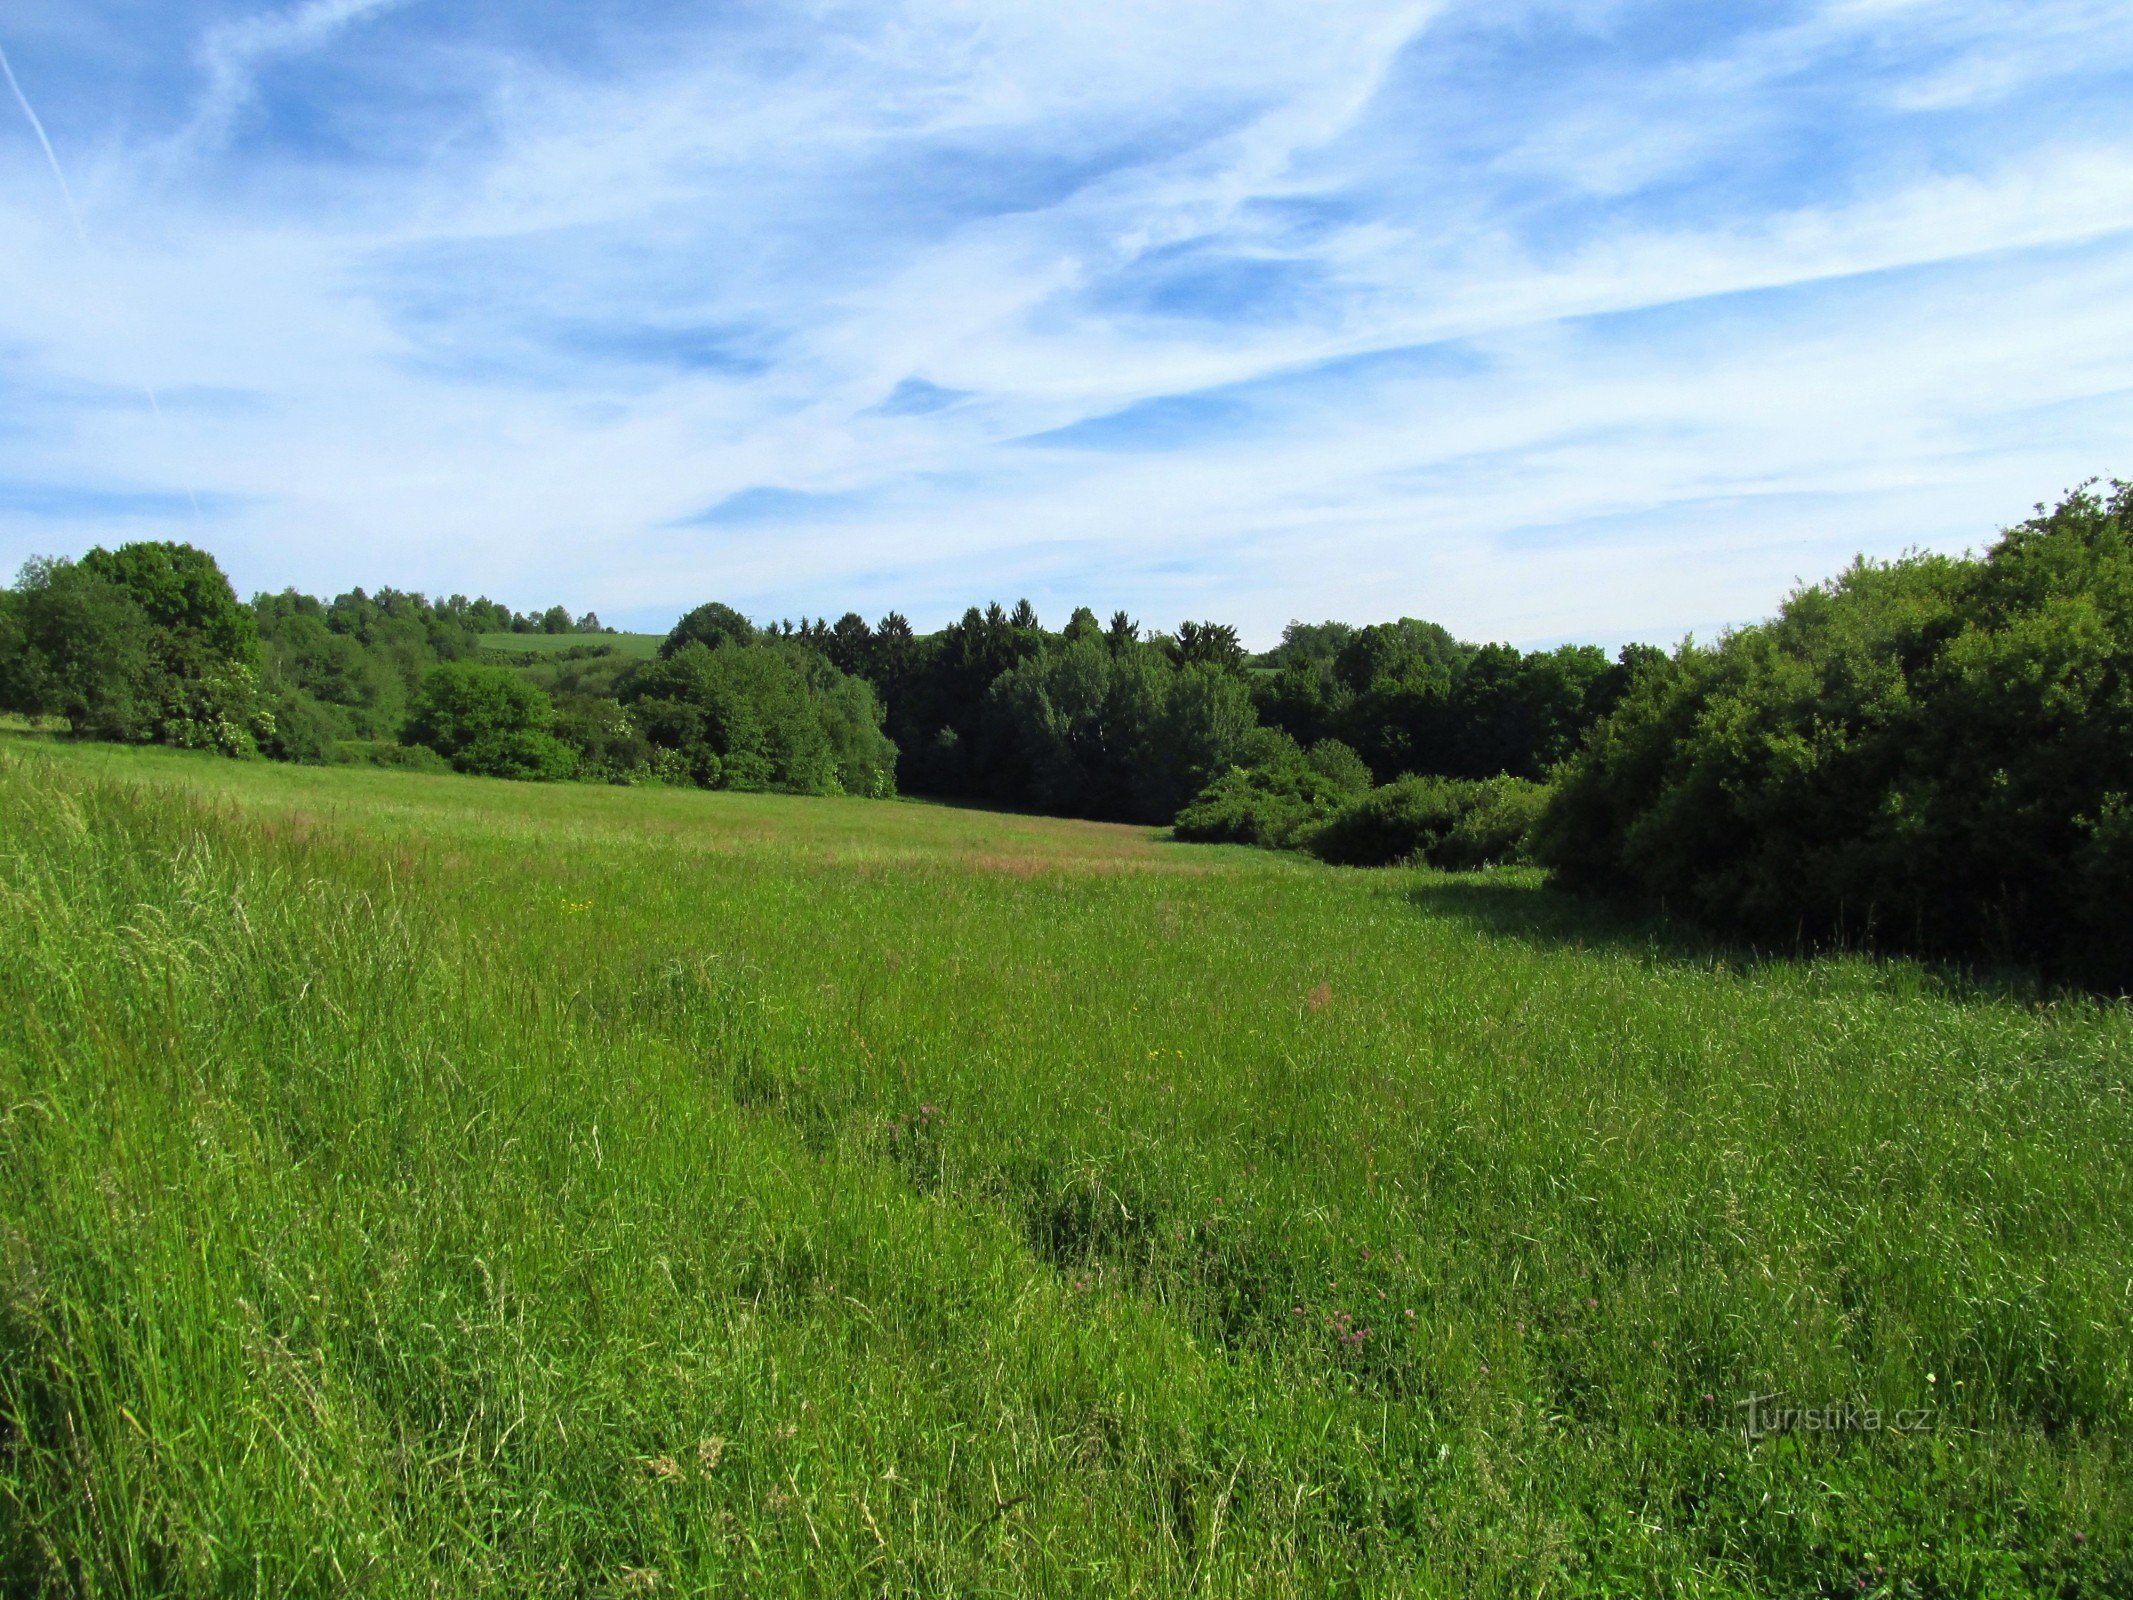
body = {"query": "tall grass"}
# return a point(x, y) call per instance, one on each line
point(431, 1185)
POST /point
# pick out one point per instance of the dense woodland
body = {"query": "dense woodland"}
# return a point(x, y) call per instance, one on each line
point(1934, 753)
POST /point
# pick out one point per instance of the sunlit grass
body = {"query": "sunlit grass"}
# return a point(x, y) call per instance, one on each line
point(632, 646)
point(423, 1183)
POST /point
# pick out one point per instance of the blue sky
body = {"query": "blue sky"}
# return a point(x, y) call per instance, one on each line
point(1545, 320)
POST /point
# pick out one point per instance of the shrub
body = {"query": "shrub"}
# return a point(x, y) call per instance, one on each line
point(1238, 808)
point(525, 753)
point(386, 753)
point(761, 716)
point(1277, 799)
point(487, 720)
point(1496, 829)
point(1931, 753)
point(143, 643)
point(219, 710)
point(301, 729)
point(607, 741)
point(1449, 822)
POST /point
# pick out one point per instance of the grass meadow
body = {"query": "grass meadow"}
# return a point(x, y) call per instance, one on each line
point(429, 1185)
point(630, 646)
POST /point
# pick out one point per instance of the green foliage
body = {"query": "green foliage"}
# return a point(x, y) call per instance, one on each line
point(85, 651)
point(1089, 731)
point(760, 716)
point(388, 753)
point(139, 644)
point(609, 744)
point(1411, 699)
point(1278, 797)
point(1101, 722)
point(1322, 801)
point(489, 721)
point(303, 730)
point(851, 719)
point(218, 709)
point(1931, 753)
point(415, 1187)
point(1212, 644)
point(1457, 823)
point(185, 597)
point(1496, 830)
point(353, 665)
point(711, 626)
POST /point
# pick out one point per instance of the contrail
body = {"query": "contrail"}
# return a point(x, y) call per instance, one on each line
point(51, 156)
point(66, 193)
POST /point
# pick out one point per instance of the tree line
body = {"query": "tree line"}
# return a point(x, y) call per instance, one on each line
point(1933, 753)
point(148, 643)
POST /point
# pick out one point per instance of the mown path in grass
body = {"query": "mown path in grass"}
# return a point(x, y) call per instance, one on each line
point(418, 1183)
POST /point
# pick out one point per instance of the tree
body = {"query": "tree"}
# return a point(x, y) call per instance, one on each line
point(711, 625)
point(182, 592)
point(85, 653)
point(762, 716)
point(850, 645)
point(145, 642)
point(14, 652)
point(1211, 644)
point(1201, 731)
point(488, 720)
point(1311, 643)
point(1071, 729)
point(1931, 753)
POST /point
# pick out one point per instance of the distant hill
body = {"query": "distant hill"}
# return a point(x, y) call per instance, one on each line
point(636, 646)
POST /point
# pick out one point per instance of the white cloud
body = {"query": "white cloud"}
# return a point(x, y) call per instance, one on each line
point(233, 54)
point(1659, 413)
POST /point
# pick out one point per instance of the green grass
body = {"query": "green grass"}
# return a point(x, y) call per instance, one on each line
point(630, 646)
point(429, 1185)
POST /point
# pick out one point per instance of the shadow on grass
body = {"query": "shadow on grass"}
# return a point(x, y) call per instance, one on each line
point(1522, 908)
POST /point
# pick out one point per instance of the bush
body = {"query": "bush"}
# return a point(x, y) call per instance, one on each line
point(302, 729)
point(143, 643)
point(1454, 823)
point(1932, 753)
point(488, 721)
point(1237, 808)
point(1496, 830)
point(607, 741)
point(219, 710)
point(761, 716)
point(526, 753)
point(1277, 800)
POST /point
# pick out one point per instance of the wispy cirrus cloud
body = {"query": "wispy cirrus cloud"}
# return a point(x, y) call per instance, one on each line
point(233, 54)
point(1562, 317)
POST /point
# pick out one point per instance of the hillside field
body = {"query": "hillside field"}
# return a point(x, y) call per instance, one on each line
point(630, 646)
point(436, 1185)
